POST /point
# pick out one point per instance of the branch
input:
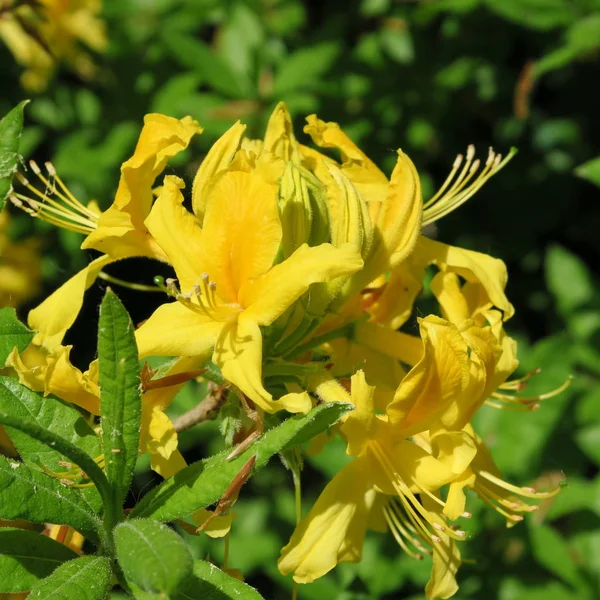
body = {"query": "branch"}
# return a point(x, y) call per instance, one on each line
point(206, 410)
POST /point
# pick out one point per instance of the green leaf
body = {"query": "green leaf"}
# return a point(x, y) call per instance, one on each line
point(11, 127)
point(203, 483)
point(26, 557)
point(13, 334)
point(197, 56)
point(50, 413)
point(34, 496)
point(69, 450)
point(535, 14)
point(152, 556)
point(551, 551)
point(590, 171)
point(120, 403)
point(210, 583)
point(85, 578)
point(568, 279)
point(305, 67)
point(588, 439)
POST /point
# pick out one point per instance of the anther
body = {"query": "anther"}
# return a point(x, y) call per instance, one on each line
point(436, 539)
point(64, 463)
point(34, 167)
point(471, 151)
point(205, 277)
point(66, 482)
point(515, 518)
point(439, 527)
point(50, 168)
point(212, 286)
point(467, 515)
point(460, 533)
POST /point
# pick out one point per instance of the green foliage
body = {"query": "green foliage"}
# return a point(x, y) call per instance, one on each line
point(26, 557)
point(204, 482)
point(11, 127)
point(120, 406)
point(590, 171)
point(13, 334)
point(29, 494)
point(85, 578)
point(153, 557)
point(209, 582)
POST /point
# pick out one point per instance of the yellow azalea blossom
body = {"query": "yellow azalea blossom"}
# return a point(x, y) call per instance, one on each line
point(119, 232)
point(43, 33)
point(387, 462)
point(229, 285)
point(52, 373)
point(20, 267)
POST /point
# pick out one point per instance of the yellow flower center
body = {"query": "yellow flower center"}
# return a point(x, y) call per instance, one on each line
point(56, 205)
point(203, 299)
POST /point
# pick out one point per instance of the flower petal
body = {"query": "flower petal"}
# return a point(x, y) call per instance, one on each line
point(216, 160)
point(334, 529)
point(475, 267)
point(161, 138)
point(267, 297)
point(238, 353)
point(241, 231)
point(279, 136)
point(174, 330)
point(434, 382)
point(177, 232)
point(58, 312)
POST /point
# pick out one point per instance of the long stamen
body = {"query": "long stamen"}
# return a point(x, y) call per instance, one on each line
point(524, 403)
point(56, 204)
point(399, 533)
point(465, 185)
point(411, 502)
point(527, 492)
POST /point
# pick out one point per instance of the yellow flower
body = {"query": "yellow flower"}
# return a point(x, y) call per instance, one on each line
point(19, 267)
point(387, 463)
point(119, 232)
point(229, 284)
point(44, 33)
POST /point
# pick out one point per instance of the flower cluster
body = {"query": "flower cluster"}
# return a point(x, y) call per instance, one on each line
point(42, 33)
point(294, 274)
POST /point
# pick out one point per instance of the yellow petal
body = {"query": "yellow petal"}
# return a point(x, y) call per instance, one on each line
point(396, 344)
point(475, 267)
point(161, 138)
point(177, 232)
point(167, 467)
point(360, 424)
point(363, 172)
point(217, 159)
point(455, 449)
point(30, 367)
point(68, 383)
point(174, 330)
point(238, 353)
point(399, 221)
point(267, 297)
point(435, 381)
point(394, 305)
point(58, 312)
point(241, 232)
point(163, 396)
point(446, 560)
point(334, 529)
point(279, 136)
point(456, 500)
point(218, 527)
point(446, 288)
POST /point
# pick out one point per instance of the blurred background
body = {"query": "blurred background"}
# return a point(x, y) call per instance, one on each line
point(430, 77)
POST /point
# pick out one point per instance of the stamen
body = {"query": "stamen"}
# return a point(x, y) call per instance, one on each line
point(465, 185)
point(398, 531)
point(525, 403)
point(138, 287)
point(527, 492)
point(56, 206)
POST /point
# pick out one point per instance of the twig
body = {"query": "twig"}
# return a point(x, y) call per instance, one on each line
point(204, 411)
